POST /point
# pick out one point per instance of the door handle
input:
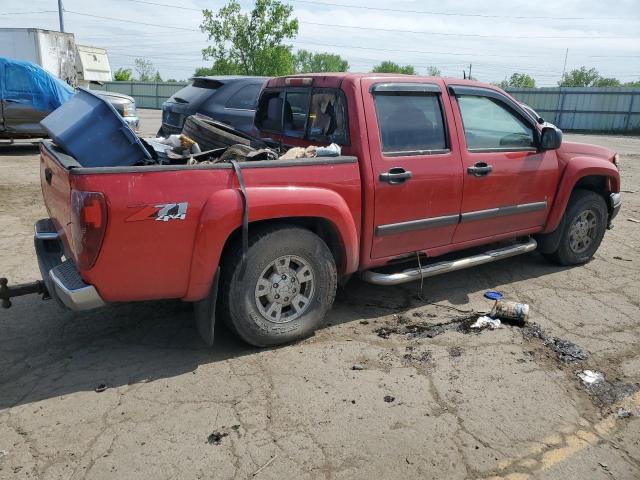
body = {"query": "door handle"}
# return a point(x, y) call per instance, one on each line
point(480, 169)
point(395, 176)
point(48, 174)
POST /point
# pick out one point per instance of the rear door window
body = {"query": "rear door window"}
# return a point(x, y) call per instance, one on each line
point(246, 98)
point(410, 123)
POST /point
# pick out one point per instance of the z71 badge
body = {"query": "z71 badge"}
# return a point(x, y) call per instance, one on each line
point(161, 213)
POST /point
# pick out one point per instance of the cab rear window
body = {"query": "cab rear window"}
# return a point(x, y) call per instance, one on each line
point(318, 115)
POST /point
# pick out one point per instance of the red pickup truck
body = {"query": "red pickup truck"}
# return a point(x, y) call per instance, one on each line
point(429, 166)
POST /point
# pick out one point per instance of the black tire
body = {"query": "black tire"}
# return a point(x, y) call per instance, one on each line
point(239, 293)
point(237, 152)
point(575, 252)
point(211, 134)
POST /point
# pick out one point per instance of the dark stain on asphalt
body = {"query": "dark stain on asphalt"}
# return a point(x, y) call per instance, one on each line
point(568, 352)
point(605, 393)
point(460, 324)
point(216, 438)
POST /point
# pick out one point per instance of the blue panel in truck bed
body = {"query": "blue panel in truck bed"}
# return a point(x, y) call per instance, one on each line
point(88, 128)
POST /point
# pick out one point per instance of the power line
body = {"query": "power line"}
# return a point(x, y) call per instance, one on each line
point(132, 21)
point(398, 10)
point(29, 13)
point(164, 5)
point(425, 32)
point(356, 27)
point(452, 14)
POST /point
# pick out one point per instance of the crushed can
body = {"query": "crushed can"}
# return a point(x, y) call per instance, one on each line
point(513, 311)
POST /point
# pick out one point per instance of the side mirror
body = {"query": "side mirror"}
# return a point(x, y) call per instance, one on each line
point(551, 138)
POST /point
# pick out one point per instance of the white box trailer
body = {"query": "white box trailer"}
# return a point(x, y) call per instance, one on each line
point(58, 53)
point(92, 64)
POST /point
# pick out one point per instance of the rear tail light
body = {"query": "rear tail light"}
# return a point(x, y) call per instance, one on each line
point(88, 224)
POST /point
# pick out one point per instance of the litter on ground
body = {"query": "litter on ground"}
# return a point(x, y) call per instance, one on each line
point(589, 377)
point(487, 322)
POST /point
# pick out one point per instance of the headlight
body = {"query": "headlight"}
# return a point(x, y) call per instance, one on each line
point(129, 110)
point(616, 160)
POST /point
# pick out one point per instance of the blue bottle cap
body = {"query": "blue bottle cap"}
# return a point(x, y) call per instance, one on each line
point(492, 295)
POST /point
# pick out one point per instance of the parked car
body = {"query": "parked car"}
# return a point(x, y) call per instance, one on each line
point(124, 105)
point(29, 93)
point(429, 166)
point(228, 99)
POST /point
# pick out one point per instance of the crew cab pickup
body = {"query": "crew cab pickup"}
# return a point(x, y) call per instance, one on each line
point(429, 166)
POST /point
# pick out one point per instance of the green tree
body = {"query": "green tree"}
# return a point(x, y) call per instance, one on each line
point(157, 77)
point(519, 80)
point(580, 77)
point(309, 62)
point(433, 71)
point(144, 68)
point(171, 80)
point(607, 82)
point(635, 83)
point(123, 75)
point(391, 67)
point(220, 67)
point(250, 43)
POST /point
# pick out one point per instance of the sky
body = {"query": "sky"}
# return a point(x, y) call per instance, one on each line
point(497, 38)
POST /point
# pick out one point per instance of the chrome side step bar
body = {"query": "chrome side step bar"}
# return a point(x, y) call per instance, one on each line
point(450, 266)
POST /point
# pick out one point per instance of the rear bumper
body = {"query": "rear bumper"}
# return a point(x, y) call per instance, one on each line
point(60, 276)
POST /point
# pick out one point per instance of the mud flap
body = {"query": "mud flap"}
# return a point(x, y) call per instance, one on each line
point(205, 311)
point(549, 242)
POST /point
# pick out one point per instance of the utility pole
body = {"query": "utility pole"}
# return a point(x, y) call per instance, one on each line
point(60, 10)
point(560, 103)
point(564, 67)
point(470, 65)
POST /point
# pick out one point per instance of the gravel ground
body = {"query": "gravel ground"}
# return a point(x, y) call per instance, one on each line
point(428, 397)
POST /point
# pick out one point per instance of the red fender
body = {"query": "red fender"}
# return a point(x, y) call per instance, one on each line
point(577, 168)
point(222, 215)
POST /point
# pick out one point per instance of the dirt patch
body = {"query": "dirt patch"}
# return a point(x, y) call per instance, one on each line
point(567, 351)
point(411, 330)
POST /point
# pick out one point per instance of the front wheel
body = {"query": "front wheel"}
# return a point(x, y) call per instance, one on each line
point(584, 226)
point(287, 288)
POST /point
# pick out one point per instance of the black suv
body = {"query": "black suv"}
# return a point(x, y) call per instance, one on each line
point(228, 99)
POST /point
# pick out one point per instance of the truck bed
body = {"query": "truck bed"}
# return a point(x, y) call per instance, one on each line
point(142, 258)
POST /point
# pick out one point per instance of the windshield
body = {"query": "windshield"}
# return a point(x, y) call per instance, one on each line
point(192, 94)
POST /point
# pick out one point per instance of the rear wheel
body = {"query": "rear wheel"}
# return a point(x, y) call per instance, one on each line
point(583, 227)
point(287, 288)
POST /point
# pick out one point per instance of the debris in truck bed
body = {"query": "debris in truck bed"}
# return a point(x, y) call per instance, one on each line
point(312, 151)
point(299, 152)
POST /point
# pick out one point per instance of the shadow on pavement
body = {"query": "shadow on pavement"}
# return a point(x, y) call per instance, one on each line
point(47, 352)
point(19, 148)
